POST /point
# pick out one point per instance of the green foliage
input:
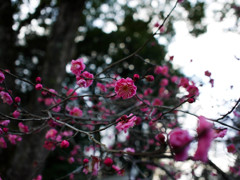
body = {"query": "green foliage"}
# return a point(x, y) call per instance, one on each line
point(196, 14)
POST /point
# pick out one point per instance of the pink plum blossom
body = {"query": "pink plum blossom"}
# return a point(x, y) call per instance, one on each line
point(124, 123)
point(161, 70)
point(108, 161)
point(192, 90)
point(184, 82)
point(70, 91)
point(2, 77)
point(48, 101)
point(38, 79)
point(157, 102)
point(148, 91)
point(85, 160)
point(53, 92)
point(174, 79)
point(125, 88)
point(207, 73)
point(14, 138)
point(77, 66)
point(118, 170)
point(67, 133)
point(16, 114)
point(95, 165)
point(17, 99)
point(136, 77)
point(164, 82)
point(6, 97)
point(64, 144)
point(160, 137)
point(4, 122)
point(75, 150)
point(205, 137)
point(211, 81)
point(220, 133)
point(71, 176)
point(85, 79)
point(56, 109)
point(102, 87)
point(3, 143)
point(231, 148)
point(39, 177)
point(76, 112)
point(156, 24)
point(5, 130)
point(129, 149)
point(51, 134)
point(23, 128)
point(149, 78)
point(179, 141)
point(49, 145)
point(38, 87)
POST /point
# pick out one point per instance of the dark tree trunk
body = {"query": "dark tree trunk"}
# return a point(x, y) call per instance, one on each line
point(7, 58)
point(30, 155)
point(7, 38)
point(61, 47)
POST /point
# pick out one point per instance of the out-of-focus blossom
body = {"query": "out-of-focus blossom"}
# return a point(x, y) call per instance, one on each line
point(85, 79)
point(179, 141)
point(125, 122)
point(6, 97)
point(205, 137)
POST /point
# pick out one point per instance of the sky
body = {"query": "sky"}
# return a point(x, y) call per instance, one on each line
point(215, 51)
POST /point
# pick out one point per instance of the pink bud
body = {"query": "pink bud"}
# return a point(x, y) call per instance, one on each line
point(149, 78)
point(17, 99)
point(108, 161)
point(38, 80)
point(191, 100)
point(124, 117)
point(64, 144)
point(85, 161)
point(16, 114)
point(231, 148)
point(71, 160)
point(136, 77)
point(23, 128)
point(2, 77)
point(207, 73)
point(38, 87)
point(5, 130)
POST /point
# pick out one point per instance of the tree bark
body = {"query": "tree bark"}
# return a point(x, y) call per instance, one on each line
point(7, 58)
point(61, 47)
point(7, 38)
point(30, 155)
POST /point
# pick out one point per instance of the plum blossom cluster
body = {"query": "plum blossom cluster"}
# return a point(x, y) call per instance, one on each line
point(54, 138)
point(125, 122)
point(84, 79)
point(154, 94)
